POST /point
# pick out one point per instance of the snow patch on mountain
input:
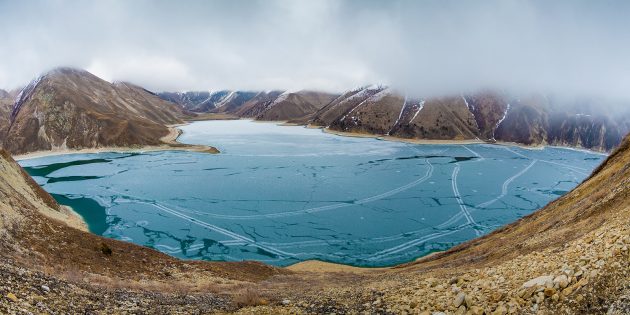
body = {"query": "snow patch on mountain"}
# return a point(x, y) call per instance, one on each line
point(507, 109)
point(399, 115)
point(471, 109)
point(23, 96)
point(420, 107)
point(373, 98)
point(222, 101)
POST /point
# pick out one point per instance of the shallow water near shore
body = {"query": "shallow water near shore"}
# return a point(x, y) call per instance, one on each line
point(284, 194)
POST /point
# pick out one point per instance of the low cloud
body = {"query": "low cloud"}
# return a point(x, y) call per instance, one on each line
point(423, 47)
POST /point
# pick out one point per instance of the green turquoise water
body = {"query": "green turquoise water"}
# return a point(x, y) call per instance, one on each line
point(286, 194)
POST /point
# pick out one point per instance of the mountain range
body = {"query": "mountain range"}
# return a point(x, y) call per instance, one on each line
point(73, 109)
point(486, 116)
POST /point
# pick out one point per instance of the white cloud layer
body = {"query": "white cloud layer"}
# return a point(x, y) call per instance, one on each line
point(426, 47)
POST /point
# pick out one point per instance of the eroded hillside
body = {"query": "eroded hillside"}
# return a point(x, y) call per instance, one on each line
point(73, 109)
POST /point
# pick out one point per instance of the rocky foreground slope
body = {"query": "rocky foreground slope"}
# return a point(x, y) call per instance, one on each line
point(570, 257)
point(73, 109)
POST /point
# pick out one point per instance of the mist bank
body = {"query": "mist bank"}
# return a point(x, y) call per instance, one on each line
point(428, 48)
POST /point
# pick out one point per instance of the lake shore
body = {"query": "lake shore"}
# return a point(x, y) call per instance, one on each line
point(440, 142)
point(304, 266)
point(170, 144)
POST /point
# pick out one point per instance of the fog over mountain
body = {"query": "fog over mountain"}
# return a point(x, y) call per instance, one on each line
point(572, 48)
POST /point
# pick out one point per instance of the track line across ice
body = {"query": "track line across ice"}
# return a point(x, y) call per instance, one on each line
point(481, 158)
point(504, 187)
point(572, 168)
point(576, 169)
point(386, 194)
point(459, 200)
point(218, 229)
point(412, 243)
point(209, 226)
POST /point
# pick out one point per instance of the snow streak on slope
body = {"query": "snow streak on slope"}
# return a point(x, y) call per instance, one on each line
point(399, 115)
point(223, 101)
point(471, 109)
point(374, 98)
point(420, 106)
point(507, 109)
point(23, 96)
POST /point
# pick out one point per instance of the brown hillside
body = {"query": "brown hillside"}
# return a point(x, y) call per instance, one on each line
point(69, 108)
point(298, 105)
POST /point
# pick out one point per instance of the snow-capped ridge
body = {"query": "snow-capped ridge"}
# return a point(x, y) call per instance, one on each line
point(24, 95)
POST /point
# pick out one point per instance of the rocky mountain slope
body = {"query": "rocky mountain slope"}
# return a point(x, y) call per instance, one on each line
point(203, 102)
point(294, 105)
point(570, 257)
point(265, 105)
point(484, 116)
point(488, 116)
point(70, 108)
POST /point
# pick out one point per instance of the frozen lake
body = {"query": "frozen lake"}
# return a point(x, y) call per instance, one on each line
point(282, 194)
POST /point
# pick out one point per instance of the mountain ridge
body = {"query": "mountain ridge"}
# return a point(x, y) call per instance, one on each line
point(69, 108)
point(485, 115)
point(128, 115)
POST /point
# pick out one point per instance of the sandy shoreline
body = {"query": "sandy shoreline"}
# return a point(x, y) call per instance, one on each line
point(322, 266)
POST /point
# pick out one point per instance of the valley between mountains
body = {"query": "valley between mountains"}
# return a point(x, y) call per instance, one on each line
point(570, 256)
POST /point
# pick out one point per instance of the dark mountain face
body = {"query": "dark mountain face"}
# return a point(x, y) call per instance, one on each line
point(541, 120)
point(486, 116)
point(295, 106)
point(232, 102)
point(257, 104)
point(337, 110)
point(488, 109)
point(69, 108)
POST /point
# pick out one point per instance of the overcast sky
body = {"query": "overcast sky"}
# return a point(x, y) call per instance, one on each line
point(425, 47)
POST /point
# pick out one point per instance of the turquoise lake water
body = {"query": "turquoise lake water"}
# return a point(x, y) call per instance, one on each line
point(281, 194)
